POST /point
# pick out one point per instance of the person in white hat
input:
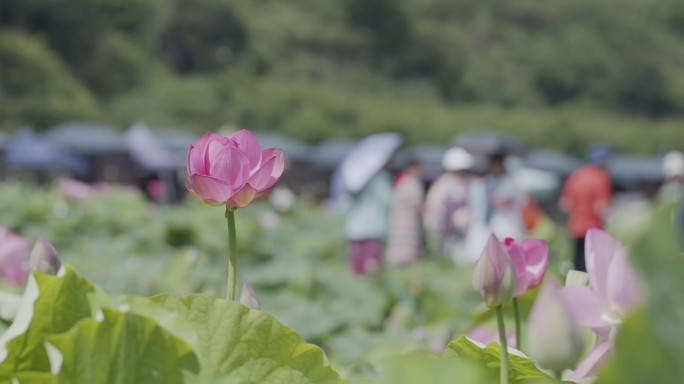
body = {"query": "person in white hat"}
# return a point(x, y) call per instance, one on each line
point(447, 214)
point(673, 169)
point(672, 191)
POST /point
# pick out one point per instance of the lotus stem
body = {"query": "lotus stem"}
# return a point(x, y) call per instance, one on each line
point(504, 347)
point(232, 254)
point(518, 326)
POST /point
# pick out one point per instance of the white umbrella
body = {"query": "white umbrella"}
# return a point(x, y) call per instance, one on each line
point(147, 149)
point(367, 158)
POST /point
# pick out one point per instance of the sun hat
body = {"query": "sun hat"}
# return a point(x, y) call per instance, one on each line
point(673, 164)
point(457, 159)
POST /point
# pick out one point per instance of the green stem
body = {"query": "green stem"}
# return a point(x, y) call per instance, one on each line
point(232, 254)
point(518, 326)
point(504, 347)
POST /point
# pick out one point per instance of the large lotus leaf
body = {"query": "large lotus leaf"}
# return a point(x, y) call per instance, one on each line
point(240, 345)
point(122, 348)
point(50, 305)
point(433, 370)
point(521, 369)
point(640, 356)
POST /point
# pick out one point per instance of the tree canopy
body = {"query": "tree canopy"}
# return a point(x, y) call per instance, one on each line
point(349, 67)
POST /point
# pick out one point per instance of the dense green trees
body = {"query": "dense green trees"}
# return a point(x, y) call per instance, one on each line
point(349, 67)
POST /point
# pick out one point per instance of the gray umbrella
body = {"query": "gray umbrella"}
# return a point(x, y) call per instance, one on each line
point(292, 149)
point(428, 155)
point(328, 154)
point(4, 138)
point(488, 142)
point(87, 138)
point(552, 161)
point(636, 168)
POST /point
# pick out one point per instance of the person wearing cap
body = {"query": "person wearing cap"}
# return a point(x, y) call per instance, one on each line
point(585, 197)
point(447, 212)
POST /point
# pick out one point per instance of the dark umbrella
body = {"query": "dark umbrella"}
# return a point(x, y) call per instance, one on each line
point(552, 161)
point(87, 138)
point(488, 142)
point(27, 150)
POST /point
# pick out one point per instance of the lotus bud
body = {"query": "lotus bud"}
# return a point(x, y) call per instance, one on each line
point(44, 257)
point(494, 274)
point(248, 297)
point(577, 278)
point(554, 338)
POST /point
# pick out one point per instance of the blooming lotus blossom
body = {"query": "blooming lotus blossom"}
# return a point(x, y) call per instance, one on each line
point(615, 290)
point(530, 258)
point(14, 266)
point(494, 274)
point(232, 170)
point(554, 338)
point(248, 298)
point(44, 257)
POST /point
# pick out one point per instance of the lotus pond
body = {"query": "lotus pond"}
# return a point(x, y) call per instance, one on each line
point(139, 300)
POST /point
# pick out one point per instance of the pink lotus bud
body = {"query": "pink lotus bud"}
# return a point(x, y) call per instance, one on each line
point(44, 257)
point(554, 338)
point(530, 258)
point(232, 170)
point(13, 251)
point(494, 274)
point(248, 297)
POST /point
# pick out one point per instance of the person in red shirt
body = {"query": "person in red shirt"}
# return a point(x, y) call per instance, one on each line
point(586, 196)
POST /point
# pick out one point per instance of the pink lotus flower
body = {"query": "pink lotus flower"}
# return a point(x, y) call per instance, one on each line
point(44, 257)
point(232, 170)
point(494, 274)
point(14, 266)
point(615, 290)
point(554, 338)
point(530, 258)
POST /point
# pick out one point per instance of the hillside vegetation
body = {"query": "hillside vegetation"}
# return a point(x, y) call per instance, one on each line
point(555, 73)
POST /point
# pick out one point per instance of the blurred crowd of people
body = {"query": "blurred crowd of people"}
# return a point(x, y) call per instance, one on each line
point(395, 219)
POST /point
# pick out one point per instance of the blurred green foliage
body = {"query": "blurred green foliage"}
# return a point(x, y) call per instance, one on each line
point(298, 269)
point(555, 73)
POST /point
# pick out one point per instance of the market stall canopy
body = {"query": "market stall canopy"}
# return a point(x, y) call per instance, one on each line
point(488, 142)
point(328, 154)
point(292, 149)
point(149, 151)
point(29, 151)
point(368, 157)
point(4, 138)
point(175, 140)
point(636, 168)
point(552, 161)
point(87, 138)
